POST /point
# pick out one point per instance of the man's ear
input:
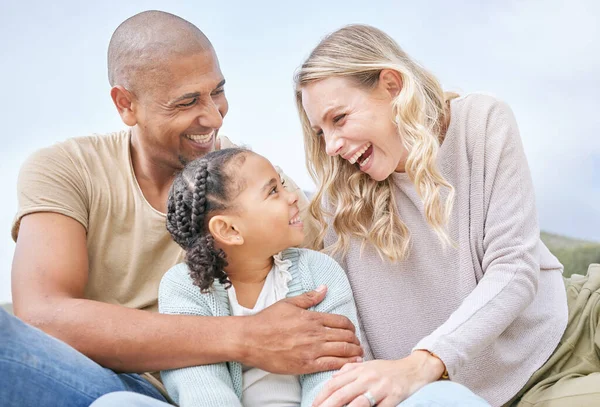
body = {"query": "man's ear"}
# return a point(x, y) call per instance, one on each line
point(391, 81)
point(223, 230)
point(123, 100)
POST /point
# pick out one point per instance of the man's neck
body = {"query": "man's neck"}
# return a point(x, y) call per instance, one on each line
point(153, 177)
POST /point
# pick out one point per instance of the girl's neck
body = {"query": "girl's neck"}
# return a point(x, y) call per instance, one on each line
point(247, 275)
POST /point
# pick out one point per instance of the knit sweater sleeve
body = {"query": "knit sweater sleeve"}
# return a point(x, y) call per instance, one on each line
point(510, 234)
point(339, 300)
point(208, 385)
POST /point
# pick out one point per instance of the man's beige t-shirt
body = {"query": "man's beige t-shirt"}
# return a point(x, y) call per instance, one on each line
point(91, 180)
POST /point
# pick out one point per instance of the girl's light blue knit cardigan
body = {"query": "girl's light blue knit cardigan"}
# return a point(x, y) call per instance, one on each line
point(221, 384)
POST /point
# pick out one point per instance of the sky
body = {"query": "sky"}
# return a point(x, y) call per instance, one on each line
point(541, 57)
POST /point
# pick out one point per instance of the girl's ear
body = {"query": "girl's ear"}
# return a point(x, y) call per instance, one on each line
point(224, 232)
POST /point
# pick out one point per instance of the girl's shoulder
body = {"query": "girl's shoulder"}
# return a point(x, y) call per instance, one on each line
point(302, 257)
point(177, 294)
point(179, 272)
point(311, 268)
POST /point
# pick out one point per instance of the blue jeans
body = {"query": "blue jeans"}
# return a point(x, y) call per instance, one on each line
point(39, 370)
point(438, 394)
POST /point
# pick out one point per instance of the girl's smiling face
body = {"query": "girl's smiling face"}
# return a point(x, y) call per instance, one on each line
point(266, 215)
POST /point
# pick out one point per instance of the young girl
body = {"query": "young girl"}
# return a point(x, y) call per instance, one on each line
point(231, 214)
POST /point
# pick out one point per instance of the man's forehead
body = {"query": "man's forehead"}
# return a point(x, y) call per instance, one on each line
point(191, 74)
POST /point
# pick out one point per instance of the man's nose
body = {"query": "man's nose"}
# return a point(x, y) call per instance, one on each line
point(211, 115)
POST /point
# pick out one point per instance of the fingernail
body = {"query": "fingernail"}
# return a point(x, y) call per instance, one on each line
point(320, 288)
point(359, 360)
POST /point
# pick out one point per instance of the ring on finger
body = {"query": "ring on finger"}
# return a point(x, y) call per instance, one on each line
point(370, 398)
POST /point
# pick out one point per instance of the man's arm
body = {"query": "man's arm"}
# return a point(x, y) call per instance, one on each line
point(49, 275)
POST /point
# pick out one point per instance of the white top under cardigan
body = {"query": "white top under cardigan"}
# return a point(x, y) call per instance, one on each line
point(260, 388)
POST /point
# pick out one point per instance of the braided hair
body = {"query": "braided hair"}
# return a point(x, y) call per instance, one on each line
point(205, 185)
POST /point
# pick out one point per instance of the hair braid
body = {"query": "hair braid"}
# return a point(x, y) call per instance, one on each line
point(199, 198)
point(178, 224)
point(205, 185)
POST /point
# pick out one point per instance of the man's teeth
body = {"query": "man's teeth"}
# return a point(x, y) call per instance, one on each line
point(357, 155)
point(200, 138)
point(295, 220)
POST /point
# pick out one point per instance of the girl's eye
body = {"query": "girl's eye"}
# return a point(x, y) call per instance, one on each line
point(319, 133)
point(338, 117)
point(273, 191)
point(194, 100)
point(282, 182)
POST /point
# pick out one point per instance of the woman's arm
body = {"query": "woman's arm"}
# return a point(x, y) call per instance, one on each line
point(510, 240)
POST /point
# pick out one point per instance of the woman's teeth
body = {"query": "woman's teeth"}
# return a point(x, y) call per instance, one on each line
point(357, 155)
point(295, 220)
point(200, 138)
point(366, 161)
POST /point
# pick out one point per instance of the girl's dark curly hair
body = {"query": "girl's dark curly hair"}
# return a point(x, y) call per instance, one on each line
point(205, 185)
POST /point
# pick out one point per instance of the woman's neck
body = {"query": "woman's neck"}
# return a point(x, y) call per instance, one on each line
point(247, 275)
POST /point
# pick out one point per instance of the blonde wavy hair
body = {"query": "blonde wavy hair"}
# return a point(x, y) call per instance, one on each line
point(357, 205)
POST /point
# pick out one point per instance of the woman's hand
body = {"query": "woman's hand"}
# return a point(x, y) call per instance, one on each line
point(389, 381)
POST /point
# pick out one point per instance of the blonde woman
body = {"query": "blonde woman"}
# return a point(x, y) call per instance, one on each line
point(426, 201)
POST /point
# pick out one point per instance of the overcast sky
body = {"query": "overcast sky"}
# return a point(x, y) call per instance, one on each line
point(542, 57)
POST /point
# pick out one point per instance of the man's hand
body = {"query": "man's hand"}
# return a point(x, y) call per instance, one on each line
point(285, 338)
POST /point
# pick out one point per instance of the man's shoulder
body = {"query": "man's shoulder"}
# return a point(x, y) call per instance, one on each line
point(93, 145)
point(83, 151)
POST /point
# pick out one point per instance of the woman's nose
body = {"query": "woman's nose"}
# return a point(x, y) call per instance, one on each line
point(333, 144)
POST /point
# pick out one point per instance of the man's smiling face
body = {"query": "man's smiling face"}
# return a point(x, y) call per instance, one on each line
point(179, 114)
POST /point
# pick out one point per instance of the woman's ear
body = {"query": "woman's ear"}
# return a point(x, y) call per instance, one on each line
point(224, 232)
point(390, 81)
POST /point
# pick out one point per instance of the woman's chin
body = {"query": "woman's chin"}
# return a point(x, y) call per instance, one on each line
point(377, 175)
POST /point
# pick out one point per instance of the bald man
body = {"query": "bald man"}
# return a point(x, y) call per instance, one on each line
point(92, 246)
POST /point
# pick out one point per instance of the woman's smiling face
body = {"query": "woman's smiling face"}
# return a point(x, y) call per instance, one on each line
point(357, 124)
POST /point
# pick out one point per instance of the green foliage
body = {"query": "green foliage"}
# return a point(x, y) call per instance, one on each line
point(575, 255)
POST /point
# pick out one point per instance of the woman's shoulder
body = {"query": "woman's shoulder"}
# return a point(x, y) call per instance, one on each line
point(476, 107)
point(479, 120)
